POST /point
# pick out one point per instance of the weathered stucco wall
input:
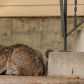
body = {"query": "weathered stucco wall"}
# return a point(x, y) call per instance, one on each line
point(39, 33)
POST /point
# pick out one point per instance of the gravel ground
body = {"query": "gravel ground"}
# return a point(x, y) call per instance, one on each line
point(38, 80)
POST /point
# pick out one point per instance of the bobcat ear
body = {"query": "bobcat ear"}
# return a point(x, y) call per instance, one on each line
point(47, 53)
point(1, 47)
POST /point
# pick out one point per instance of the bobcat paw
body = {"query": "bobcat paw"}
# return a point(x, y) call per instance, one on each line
point(16, 73)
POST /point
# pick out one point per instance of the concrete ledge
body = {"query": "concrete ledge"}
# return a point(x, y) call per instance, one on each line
point(64, 64)
point(37, 80)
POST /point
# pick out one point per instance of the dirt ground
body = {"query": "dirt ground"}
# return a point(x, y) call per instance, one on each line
point(37, 80)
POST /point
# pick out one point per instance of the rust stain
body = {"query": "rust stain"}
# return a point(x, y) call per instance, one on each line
point(57, 62)
point(21, 20)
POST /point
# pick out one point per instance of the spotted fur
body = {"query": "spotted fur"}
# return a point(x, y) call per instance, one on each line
point(24, 60)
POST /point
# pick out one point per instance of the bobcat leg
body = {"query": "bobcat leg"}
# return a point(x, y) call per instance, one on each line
point(22, 60)
point(2, 70)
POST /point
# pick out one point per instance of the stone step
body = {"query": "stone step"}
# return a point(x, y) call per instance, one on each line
point(37, 80)
point(65, 64)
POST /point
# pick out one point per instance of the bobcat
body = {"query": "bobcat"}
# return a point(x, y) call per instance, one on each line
point(21, 60)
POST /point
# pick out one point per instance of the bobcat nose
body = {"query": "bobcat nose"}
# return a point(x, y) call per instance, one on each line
point(3, 73)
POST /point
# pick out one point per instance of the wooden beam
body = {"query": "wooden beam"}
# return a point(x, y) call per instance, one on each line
point(36, 2)
point(38, 11)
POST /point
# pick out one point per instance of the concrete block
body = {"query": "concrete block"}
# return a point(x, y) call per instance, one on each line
point(51, 24)
point(31, 39)
point(22, 38)
point(5, 28)
point(17, 24)
point(65, 64)
point(36, 24)
point(79, 41)
point(24, 24)
point(36, 39)
point(6, 42)
point(51, 40)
